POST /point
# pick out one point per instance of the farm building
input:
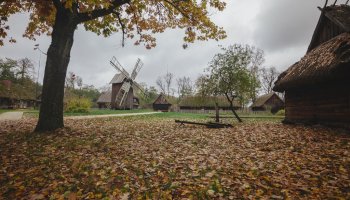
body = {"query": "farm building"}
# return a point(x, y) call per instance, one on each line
point(268, 102)
point(206, 103)
point(161, 103)
point(15, 96)
point(317, 87)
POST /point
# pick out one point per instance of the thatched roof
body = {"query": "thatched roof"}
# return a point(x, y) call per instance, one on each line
point(338, 15)
point(198, 101)
point(328, 62)
point(161, 100)
point(260, 101)
point(105, 97)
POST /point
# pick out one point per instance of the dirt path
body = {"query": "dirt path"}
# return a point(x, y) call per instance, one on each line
point(110, 115)
point(11, 116)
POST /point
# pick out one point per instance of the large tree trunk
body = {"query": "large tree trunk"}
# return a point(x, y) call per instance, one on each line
point(58, 56)
point(232, 108)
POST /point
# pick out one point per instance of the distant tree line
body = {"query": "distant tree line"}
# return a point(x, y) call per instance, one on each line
point(75, 89)
point(16, 71)
point(22, 80)
point(17, 79)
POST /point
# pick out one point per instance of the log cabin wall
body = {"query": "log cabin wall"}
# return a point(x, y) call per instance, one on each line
point(324, 104)
point(162, 107)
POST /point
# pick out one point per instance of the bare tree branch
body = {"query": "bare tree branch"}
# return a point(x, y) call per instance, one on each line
point(180, 10)
point(122, 25)
point(87, 16)
point(161, 84)
point(177, 8)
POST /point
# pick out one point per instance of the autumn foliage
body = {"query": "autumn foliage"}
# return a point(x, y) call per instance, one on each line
point(134, 19)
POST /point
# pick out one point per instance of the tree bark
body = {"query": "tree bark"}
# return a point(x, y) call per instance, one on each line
point(58, 56)
point(217, 117)
point(232, 108)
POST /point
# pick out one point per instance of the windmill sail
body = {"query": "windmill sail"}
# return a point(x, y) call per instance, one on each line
point(122, 94)
point(119, 98)
point(137, 68)
point(114, 62)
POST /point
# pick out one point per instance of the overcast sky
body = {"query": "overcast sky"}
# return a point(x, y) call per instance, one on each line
point(282, 28)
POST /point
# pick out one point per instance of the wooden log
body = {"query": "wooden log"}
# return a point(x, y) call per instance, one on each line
point(251, 117)
point(209, 124)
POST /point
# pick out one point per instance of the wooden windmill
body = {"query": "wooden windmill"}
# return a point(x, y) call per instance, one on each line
point(124, 85)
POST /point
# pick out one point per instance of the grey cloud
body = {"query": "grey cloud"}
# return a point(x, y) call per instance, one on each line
point(284, 23)
point(282, 28)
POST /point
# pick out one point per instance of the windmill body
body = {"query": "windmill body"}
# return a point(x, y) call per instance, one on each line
point(117, 87)
point(123, 87)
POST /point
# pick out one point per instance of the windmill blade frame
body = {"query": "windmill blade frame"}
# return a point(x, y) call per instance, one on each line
point(122, 94)
point(139, 87)
point(115, 63)
point(136, 69)
point(120, 99)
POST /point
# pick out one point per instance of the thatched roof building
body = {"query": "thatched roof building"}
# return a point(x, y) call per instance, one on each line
point(317, 87)
point(206, 103)
point(105, 97)
point(328, 62)
point(14, 95)
point(161, 103)
point(266, 102)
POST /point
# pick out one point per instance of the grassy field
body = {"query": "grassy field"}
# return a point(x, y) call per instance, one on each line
point(12, 110)
point(4, 110)
point(203, 117)
point(225, 118)
point(35, 113)
point(177, 115)
point(151, 157)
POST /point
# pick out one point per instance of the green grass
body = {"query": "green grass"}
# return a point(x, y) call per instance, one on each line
point(108, 112)
point(203, 117)
point(178, 115)
point(12, 110)
point(35, 113)
point(228, 117)
point(206, 118)
point(5, 110)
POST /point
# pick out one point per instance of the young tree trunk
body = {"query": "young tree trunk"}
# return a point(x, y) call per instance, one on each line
point(58, 56)
point(232, 108)
point(217, 117)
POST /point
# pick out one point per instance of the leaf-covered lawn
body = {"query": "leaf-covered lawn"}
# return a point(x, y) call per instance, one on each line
point(136, 158)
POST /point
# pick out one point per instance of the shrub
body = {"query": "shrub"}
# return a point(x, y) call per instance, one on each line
point(75, 105)
point(281, 112)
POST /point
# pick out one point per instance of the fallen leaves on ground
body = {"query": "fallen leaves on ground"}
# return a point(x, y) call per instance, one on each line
point(137, 158)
